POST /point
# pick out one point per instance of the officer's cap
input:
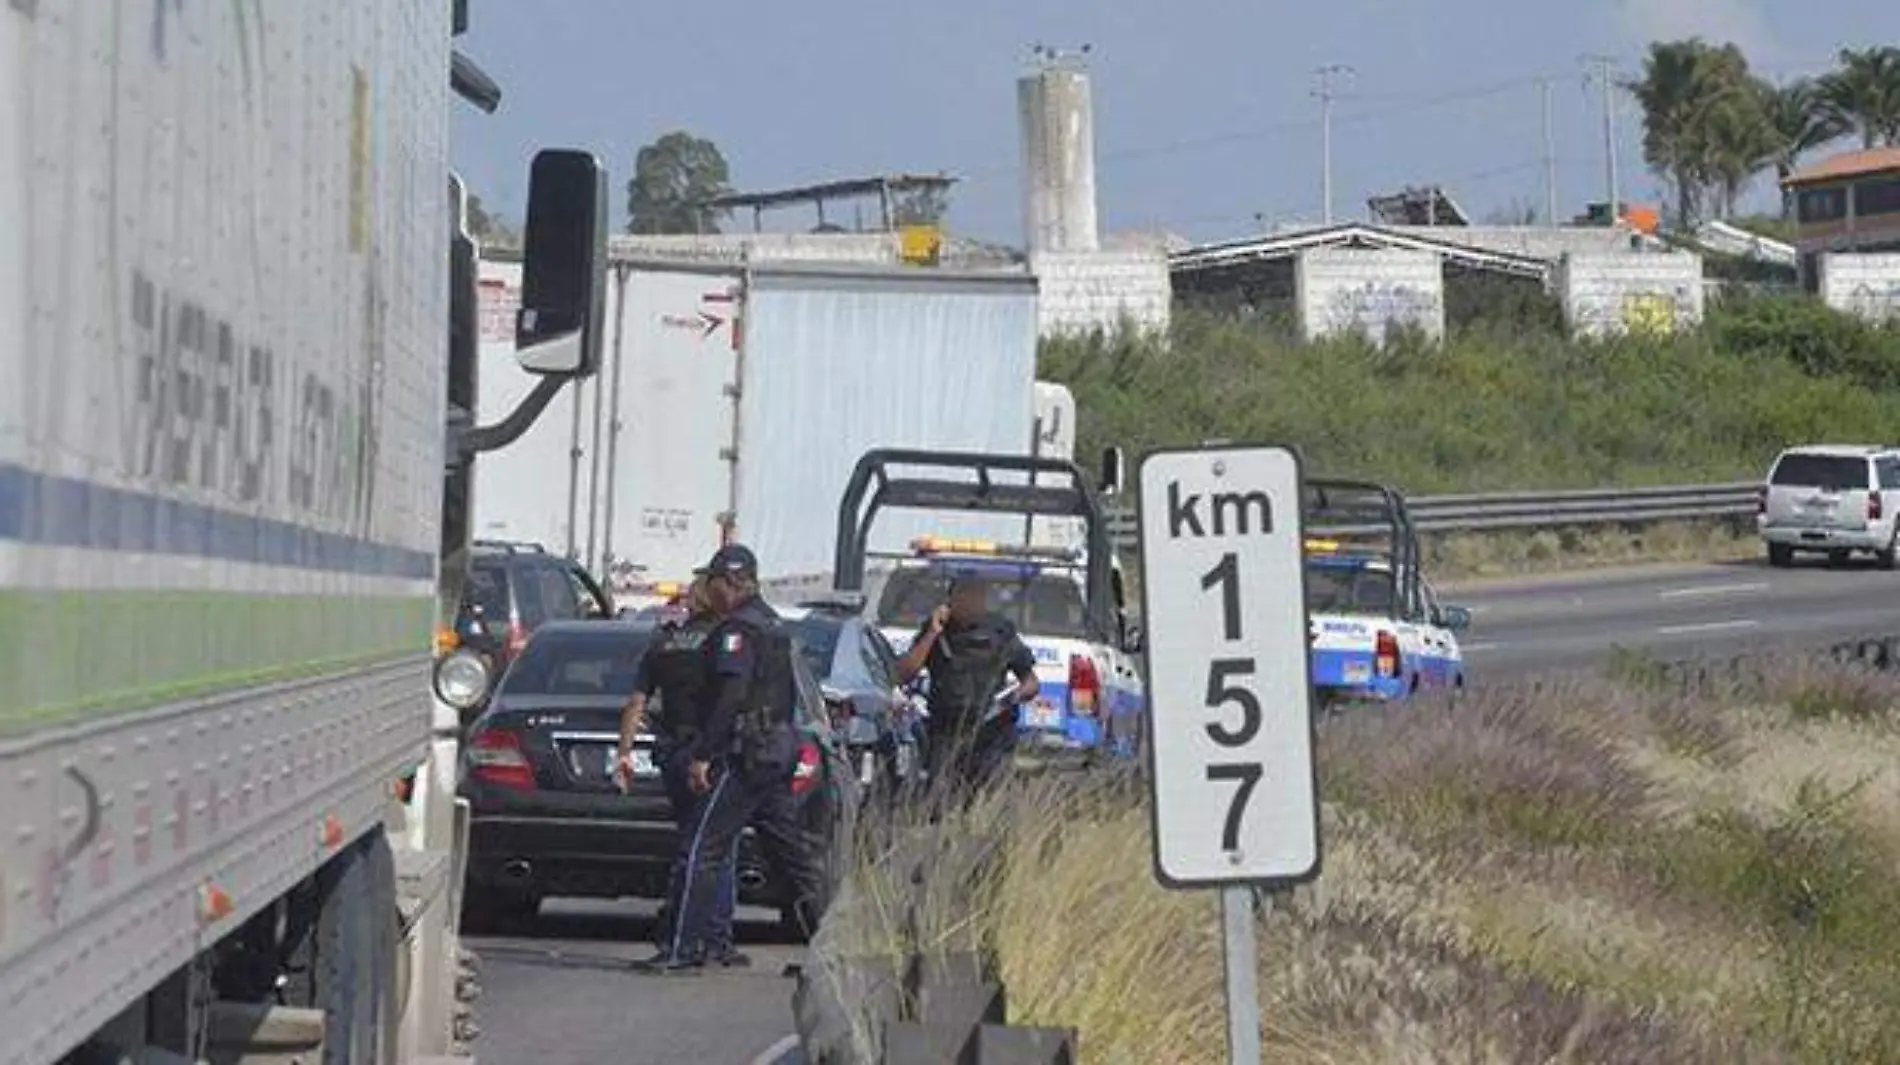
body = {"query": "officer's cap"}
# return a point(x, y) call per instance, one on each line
point(732, 560)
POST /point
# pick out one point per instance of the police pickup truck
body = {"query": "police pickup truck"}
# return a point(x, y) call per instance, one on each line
point(1377, 629)
point(1085, 679)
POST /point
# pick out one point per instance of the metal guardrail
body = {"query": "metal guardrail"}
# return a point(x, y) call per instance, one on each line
point(1537, 510)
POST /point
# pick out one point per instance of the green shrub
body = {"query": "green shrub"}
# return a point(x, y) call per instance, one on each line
point(1502, 403)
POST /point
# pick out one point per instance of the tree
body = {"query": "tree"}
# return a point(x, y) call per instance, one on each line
point(1799, 121)
point(922, 206)
point(486, 228)
point(674, 178)
point(1702, 121)
point(1864, 94)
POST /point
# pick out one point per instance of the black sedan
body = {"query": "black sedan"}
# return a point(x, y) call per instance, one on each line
point(546, 816)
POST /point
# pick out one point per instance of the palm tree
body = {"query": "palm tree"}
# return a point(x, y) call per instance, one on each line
point(1697, 102)
point(1799, 120)
point(1864, 93)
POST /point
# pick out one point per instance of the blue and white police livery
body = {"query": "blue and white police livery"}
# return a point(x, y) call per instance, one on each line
point(1373, 637)
point(1089, 694)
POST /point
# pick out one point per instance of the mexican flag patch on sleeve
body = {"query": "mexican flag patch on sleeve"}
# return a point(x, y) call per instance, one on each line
point(732, 643)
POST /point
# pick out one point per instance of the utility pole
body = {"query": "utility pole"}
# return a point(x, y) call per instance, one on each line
point(1544, 86)
point(1325, 94)
point(1602, 67)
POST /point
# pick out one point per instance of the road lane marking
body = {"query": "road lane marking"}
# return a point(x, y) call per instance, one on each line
point(1707, 626)
point(1468, 647)
point(1713, 589)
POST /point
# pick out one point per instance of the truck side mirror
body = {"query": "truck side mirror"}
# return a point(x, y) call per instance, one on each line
point(1113, 470)
point(563, 265)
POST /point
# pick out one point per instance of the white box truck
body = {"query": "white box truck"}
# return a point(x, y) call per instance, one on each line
point(236, 318)
point(735, 400)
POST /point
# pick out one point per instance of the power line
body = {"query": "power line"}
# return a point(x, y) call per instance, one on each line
point(1601, 68)
point(1325, 93)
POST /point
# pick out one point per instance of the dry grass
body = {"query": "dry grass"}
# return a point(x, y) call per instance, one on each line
point(1456, 556)
point(1598, 869)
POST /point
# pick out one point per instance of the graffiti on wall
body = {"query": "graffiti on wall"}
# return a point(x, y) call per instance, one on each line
point(1638, 312)
point(1874, 301)
point(1378, 307)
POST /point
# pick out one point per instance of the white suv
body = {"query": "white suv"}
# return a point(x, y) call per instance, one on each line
point(1835, 498)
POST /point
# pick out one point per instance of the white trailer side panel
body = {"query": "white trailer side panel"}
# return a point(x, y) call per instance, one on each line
point(1055, 428)
point(837, 362)
point(524, 491)
point(666, 482)
point(223, 312)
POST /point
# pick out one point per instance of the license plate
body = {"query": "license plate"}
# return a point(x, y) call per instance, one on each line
point(643, 767)
point(1042, 715)
point(1357, 672)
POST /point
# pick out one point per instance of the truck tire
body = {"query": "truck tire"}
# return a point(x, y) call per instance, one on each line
point(342, 957)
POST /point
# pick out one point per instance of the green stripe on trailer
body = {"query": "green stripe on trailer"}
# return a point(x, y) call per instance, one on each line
point(73, 655)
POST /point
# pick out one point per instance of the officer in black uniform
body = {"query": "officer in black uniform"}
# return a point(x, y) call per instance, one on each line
point(671, 667)
point(741, 762)
point(969, 649)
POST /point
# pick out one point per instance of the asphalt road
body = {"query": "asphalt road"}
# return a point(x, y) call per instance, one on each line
point(560, 992)
point(1674, 612)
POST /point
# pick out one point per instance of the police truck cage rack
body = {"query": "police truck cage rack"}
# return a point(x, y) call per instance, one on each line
point(1045, 487)
point(1363, 519)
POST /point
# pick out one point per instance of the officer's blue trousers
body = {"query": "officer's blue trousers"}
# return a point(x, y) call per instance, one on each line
point(714, 937)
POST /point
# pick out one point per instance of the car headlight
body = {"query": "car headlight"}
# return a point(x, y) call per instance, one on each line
point(461, 679)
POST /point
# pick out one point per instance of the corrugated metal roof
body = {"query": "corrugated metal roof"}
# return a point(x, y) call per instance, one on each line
point(1847, 165)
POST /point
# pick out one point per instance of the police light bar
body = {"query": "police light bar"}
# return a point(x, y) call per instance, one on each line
point(938, 545)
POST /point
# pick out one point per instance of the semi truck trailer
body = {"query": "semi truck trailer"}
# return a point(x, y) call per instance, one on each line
point(237, 357)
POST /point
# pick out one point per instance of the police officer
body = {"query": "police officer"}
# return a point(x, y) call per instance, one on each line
point(968, 649)
point(672, 668)
point(741, 762)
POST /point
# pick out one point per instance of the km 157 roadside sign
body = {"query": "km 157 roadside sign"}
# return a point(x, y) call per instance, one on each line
point(1230, 719)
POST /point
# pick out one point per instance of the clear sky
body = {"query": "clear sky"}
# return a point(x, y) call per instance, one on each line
point(1203, 109)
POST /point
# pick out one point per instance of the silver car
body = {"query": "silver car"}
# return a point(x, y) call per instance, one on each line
point(1831, 498)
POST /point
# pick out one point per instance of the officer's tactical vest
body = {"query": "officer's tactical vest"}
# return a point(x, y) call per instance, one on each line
point(764, 733)
point(973, 671)
point(679, 675)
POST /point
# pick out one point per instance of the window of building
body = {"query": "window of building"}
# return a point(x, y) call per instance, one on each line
point(1821, 205)
point(1877, 196)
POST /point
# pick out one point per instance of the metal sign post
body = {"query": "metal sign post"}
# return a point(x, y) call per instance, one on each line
point(1233, 793)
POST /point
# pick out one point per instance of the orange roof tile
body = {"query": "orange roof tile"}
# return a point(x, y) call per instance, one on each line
point(1847, 165)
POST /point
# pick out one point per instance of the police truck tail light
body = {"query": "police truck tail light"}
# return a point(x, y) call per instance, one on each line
point(805, 774)
point(1386, 655)
point(1873, 506)
point(495, 757)
point(1085, 686)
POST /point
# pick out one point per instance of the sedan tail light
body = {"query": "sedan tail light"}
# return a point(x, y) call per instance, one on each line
point(805, 775)
point(1873, 506)
point(495, 757)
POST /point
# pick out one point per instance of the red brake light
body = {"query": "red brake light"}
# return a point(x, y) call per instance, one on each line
point(1873, 506)
point(495, 757)
point(805, 775)
point(1085, 685)
point(1386, 655)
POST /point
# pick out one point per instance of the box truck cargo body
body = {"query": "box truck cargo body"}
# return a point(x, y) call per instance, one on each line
point(736, 401)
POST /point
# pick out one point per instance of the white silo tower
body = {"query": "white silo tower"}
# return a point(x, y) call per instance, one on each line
point(1058, 128)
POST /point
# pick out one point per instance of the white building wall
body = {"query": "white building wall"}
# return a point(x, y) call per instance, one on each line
point(734, 248)
point(1082, 291)
point(1342, 290)
point(1608, 294)
point(1864, 285)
